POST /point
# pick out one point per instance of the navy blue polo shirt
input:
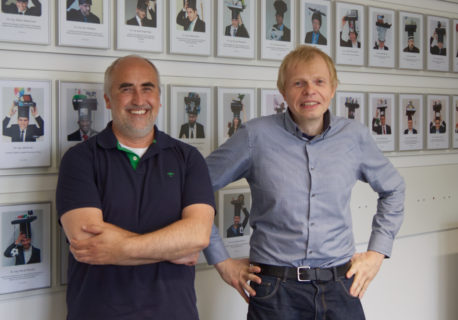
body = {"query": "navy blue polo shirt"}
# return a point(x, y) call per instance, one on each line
point(170, 176)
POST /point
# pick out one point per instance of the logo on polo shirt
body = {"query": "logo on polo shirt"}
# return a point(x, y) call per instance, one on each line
point(170, 174)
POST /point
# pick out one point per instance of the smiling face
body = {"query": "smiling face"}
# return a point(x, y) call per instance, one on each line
point(23, 122)
point(192, 14)
point(134, 100)
point(21, 5)
point(308, 91)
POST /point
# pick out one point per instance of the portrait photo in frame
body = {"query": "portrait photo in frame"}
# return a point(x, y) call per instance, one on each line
point(84, 25)
point(26, 245)
point(26, 126)
point(350, 30)
point(235, 107)
point(438, 124)
point(190, 27)
point(272, 102)
point(140, 25)
point(351, 105)
point(438, 45)
point(382, 47)
point(455, 120)
point(410, 122)
point(161, 120)
point(191, 116)
point(455, 45)
point(236, 29)
point(411, 41)
point(234, 207)
point(82, 112)
point(382, 119)
point(28, 23)
point(315, 24)
point(277, 28)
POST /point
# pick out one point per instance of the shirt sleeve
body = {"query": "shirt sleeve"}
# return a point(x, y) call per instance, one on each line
point(230, 162)
point(76, 185)
point(384, 179)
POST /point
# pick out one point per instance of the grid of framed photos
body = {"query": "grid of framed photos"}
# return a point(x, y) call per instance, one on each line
point(425, 41)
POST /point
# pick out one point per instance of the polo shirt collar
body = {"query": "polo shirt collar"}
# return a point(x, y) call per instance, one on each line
point(292, 127)
point(107, 140)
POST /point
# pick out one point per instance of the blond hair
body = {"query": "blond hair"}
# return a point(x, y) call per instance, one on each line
point(303, 54)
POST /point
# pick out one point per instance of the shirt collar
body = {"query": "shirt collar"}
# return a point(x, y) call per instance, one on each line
point(292, 127)
point(107, 140)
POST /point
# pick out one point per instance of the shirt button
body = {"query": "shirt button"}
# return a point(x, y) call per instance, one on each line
point(312, 224)
point(135, 158)
point(313, 195)
point(312, 168)
point(310, 251)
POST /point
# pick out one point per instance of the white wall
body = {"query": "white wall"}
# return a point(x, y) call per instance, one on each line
point(419, 282)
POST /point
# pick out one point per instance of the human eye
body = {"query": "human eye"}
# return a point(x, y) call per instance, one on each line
point(298, 83)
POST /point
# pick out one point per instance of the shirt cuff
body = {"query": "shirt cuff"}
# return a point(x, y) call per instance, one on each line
point(381, 244)
point(215, 252)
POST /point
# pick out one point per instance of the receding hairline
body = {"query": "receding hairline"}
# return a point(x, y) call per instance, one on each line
point(110, 70)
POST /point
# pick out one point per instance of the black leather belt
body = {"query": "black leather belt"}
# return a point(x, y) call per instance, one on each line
point(305, 273)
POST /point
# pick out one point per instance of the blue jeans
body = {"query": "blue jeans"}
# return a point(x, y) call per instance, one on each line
point(291, 300)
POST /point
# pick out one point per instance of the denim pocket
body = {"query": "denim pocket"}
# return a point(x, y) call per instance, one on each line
point(267, 288)
point(345, 285)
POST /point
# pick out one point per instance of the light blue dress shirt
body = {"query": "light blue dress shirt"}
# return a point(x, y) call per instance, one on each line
point(301, 189)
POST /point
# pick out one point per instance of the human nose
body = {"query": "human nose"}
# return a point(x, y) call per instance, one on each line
point(307, 89)
point(137, 98)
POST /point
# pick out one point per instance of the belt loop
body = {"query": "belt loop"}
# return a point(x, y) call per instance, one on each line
point(285, 274)
point(334, 273)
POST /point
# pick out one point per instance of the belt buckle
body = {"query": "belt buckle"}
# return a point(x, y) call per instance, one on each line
point(299, 273)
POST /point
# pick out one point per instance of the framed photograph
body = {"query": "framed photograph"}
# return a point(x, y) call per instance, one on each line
point(315, 24)
point(437, 32)
point(437, 117)
point(234, 213)
point(190, 27)
point(350, 27)
point(410, 41)
point(140, 25)
point(455, 120)
point(351, 105)
point(26, 246)
point(82, 112)
point(381, 117)
point(25, 21)
point(455, 45)
point(235, 107)
point(161, 120)
point(191, 116)
point(382, 47)
point(410, 122)
point(84, 25)
point(26, 129)
point(236, 29)
point(277, 28)
point(272, 102)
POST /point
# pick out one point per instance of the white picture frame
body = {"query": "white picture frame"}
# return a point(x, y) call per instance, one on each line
point(411, 52)
point(203, 134)
point(74, 32)
point(17, 271)
point(275, 43)
point(71, 129)
point(310, 9)
point(240, 44)
point(437, 137)
point(197, 41)
point(382, 44)
point(147, 37)
point(385, 140)
point(237, 242)
point(34, 149)
point(32, 27)
point(411, 122)
point(348, 52)
point(351, 105)
point(455, 45)
point(228, 110)
point(272, 102)
point(437, 58)
point(455, 121)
